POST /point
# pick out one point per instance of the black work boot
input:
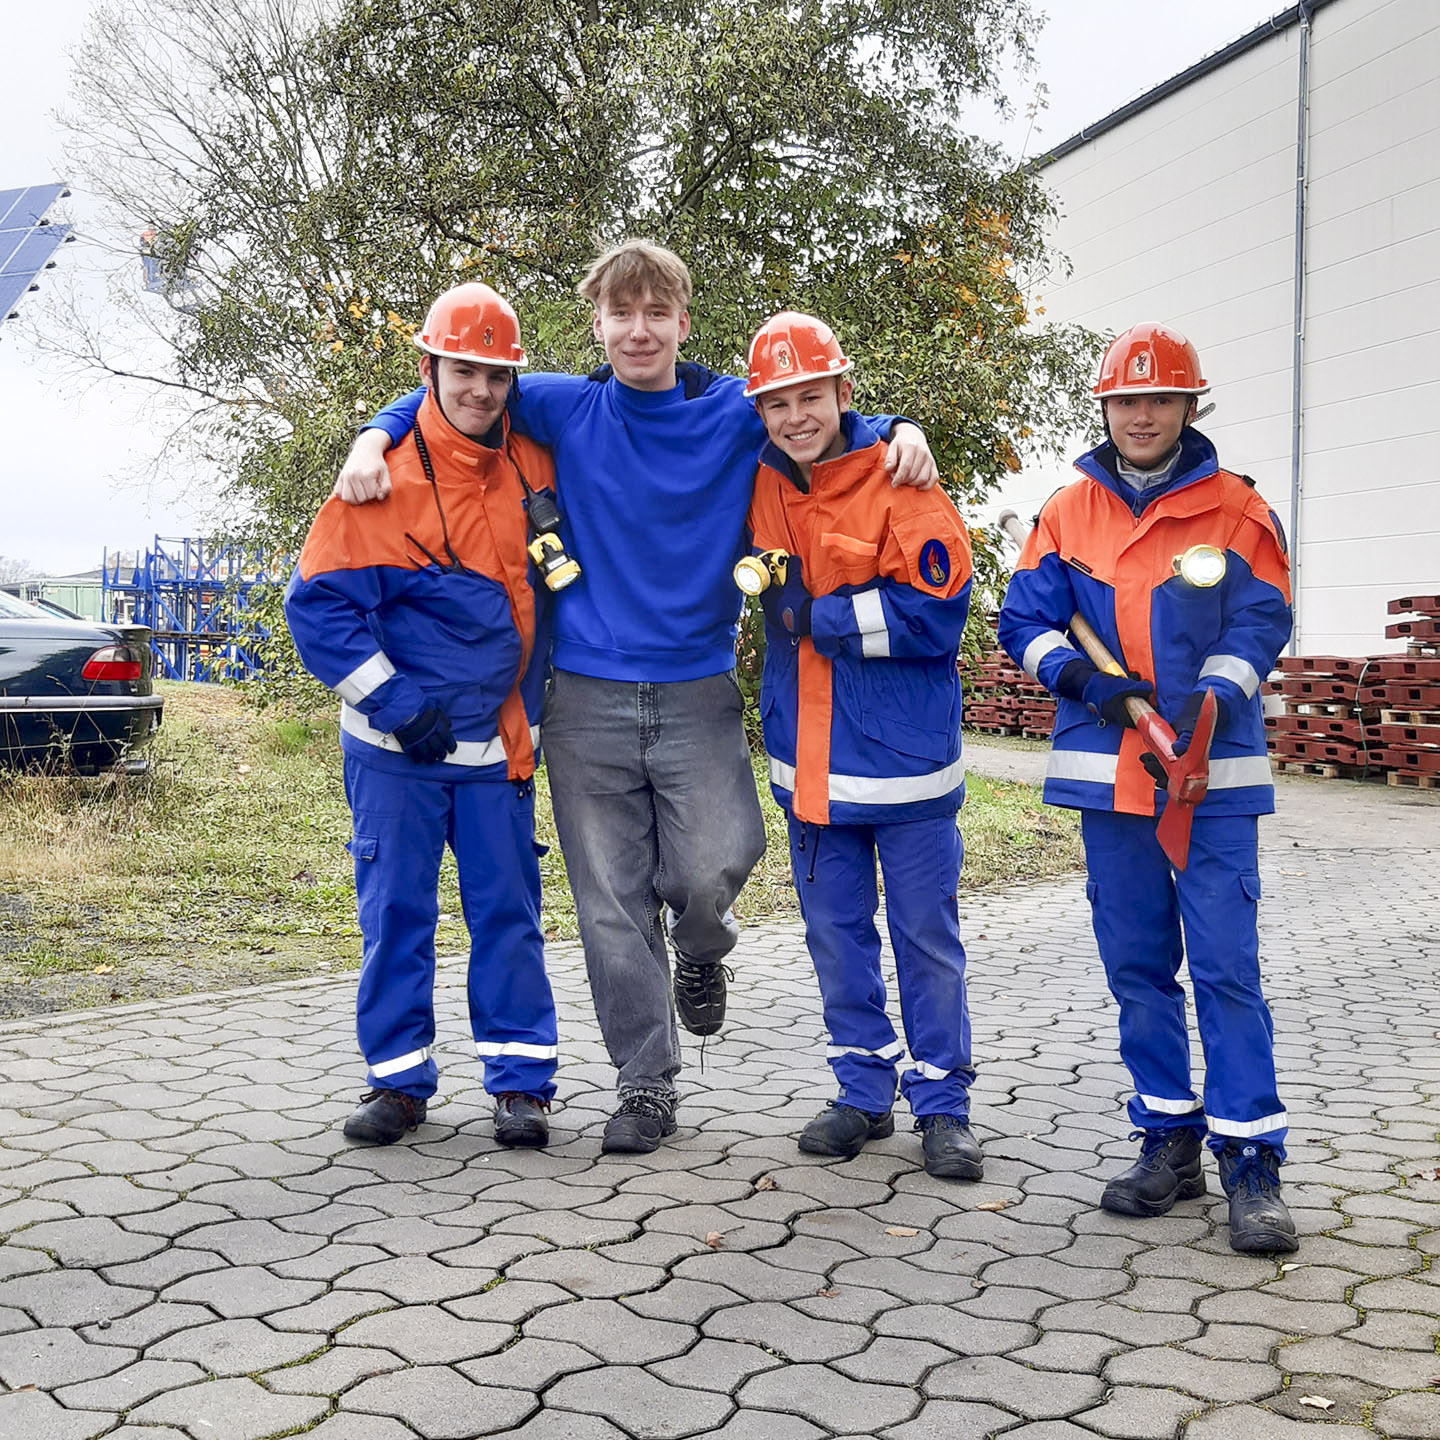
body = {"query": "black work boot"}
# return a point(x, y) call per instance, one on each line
point(384, 1116)
point(1259, 1222)
point(843, 1130)
point(642, 1119)
point(521, 1119)
point(1168, 1170)
point(700, 994)
point(951, 1151)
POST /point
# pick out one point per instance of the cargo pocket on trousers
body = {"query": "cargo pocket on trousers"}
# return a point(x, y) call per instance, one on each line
point(1092, 892)
point(362, 847)
point(1250, 887)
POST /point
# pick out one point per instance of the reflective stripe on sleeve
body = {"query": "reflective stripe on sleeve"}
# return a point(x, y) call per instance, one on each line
point(1248, 1129)
point(1239, 771)
point(880, 789)
point(516, 1047)
point(466, 752)
point(1039, 648)
point(381, 1068)
point(1096, 767)
point(870, 621)
point(365, 679)
point(1232, 667)
point(892, 1051)
point(1161, 1106)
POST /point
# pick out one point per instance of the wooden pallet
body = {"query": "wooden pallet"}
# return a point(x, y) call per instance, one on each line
point(1409, 780)
point(1410, 717)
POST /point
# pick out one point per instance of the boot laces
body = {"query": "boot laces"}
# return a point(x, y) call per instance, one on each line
point(940, 1122)
point(650, 1103)
point(1154, 1144)
point(408, 1101)
point(511, 1096)
point(1254, 1172)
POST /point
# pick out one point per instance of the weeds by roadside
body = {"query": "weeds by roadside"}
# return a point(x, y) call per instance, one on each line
point(225, 864)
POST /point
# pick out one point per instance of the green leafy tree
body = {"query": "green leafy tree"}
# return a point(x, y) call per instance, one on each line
point(316, 173)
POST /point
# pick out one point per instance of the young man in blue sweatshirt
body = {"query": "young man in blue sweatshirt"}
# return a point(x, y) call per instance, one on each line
point(650, 777)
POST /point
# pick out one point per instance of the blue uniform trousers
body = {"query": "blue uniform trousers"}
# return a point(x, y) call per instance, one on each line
point(834, 868)
point(402, 826)
point(1140, 908)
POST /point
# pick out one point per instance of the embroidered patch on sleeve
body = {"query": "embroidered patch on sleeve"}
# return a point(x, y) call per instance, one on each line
point(935, 564)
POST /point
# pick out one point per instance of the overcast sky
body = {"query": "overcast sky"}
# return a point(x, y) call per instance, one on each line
point(73, 471)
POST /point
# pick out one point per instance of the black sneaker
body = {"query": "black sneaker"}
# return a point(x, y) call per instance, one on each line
point(384, 1117)
point(843, 1130)
point(521, 1119)
point(1168, 1170)
point(951, 1151)
point(1259, 1222)
point(641, 1121)
point(700, 994)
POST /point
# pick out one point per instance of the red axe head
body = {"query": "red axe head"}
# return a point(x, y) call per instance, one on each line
point(1190, 774)
point(1186, 776)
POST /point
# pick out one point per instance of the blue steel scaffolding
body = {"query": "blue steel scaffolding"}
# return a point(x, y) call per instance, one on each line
point(195, 595)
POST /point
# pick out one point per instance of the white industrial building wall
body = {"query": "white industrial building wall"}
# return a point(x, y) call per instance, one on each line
point(1185, 212)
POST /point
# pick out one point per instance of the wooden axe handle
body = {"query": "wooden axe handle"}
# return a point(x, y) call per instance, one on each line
point(1102, 659)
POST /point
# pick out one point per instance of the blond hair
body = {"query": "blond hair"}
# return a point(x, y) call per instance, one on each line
point(635, 268)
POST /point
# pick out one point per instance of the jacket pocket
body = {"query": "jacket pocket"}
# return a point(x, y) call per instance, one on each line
point(910, 706)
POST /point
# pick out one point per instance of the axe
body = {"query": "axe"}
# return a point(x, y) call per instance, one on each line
point(1187, 775)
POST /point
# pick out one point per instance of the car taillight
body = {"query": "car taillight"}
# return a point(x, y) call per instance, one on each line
point(114, 662)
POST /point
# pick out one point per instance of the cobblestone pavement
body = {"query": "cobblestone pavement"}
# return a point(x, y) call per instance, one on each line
point(191, 1249)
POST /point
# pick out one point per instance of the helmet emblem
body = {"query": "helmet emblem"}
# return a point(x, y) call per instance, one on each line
point(1142, 364)
point(488, 338)
point(783, 359)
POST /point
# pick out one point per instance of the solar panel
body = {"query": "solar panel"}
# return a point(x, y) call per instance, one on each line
point(27, 242)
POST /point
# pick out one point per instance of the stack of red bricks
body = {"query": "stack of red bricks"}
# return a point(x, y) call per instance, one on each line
point(1001, 699)
point(1353, 717)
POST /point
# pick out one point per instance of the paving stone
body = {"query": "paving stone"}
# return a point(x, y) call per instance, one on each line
point(230, 1410)
point(236, 1347)
point(1397, 1330)
point(639, 1403)
point(749, 1276)
point(1236, 1342)
point(243, 1290)
point(563, 1425)
point(131, 1386)
point(33, 1413)
point(1409, 1417)
point(904, 1281)
point(1036, 1395)
point(611, 1332)
point(587, 1273)
point(1005, 1302)
point(1134, 1327)
point(71, 1298)
point(894, 1362)
point(947, 1420)
point(88, 1243)
point(1068, 1350)
point(1333, 1355)
point(1249, 1422)
point(50, 1358)
point(766, 1425)
point(1195, 1374)
point(851, 1304)
point(1351, 1400)
point(509, 1301)
point(827, 1398)
point(103, 1195)
point(780, 1330)
point(1295, 1317)
point(428, 1335)
point(529, 1364)
point(1133, 1412)
point(440, 1403)
point(416, 1279)
point(330, 1312)
point(965, 1334)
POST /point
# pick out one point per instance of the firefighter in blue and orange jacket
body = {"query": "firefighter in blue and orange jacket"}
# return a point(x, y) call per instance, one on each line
point(421, 612)
point(860, 704)
point(1110, 545)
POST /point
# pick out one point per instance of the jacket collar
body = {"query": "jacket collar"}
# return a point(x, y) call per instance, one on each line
point(1198, 461)
point(442, 438)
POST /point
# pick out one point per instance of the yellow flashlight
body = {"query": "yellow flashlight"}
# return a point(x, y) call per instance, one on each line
point(757, 573)
point(1202, 566)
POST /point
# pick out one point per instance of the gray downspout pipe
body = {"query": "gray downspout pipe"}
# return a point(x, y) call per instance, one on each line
point(1297, 360)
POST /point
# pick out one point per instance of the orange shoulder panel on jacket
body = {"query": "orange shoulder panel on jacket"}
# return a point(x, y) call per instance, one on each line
point(1257, 542)
point(533, 461)
point(766, 519)
point(928, 545)
point(354, 537)
point(1044, 536)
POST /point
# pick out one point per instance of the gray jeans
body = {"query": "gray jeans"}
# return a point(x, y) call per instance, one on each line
point(656, 810)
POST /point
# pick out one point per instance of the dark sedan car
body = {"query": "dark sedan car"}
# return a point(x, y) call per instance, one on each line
point(74, 694)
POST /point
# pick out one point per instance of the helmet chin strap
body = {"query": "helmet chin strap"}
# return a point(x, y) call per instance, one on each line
point(1169, 454)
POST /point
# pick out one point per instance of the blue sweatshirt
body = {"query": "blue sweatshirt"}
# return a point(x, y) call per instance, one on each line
point(654, 486)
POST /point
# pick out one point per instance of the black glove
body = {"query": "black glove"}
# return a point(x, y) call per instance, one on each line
point(1189, 714)
point(787, 606)
point(1105, 695)
point(427, 737)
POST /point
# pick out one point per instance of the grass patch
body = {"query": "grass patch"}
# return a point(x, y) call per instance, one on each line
point(225, 864)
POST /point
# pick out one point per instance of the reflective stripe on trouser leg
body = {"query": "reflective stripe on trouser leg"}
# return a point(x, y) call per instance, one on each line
point(920, 860)
point(1137, 927)
point(1219, 893)
point(512, 1014)
point(400, 828)
point(839, 907)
